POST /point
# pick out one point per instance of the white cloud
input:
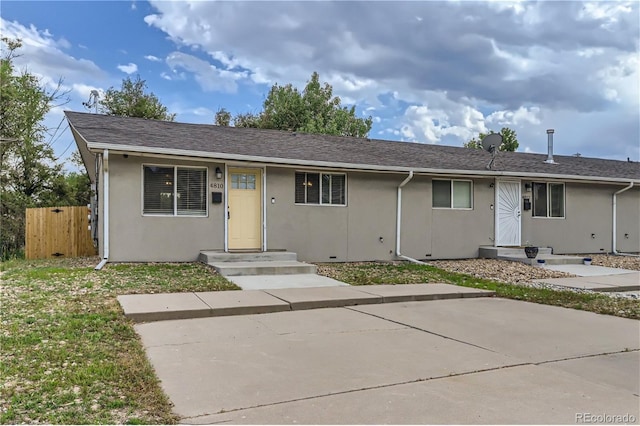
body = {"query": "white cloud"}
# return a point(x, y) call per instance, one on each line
point(202, 112)
point(209, 77)
point(152, 58)
point(424, 124)
point(129, 68)
point(42, 55)
point(515, 118)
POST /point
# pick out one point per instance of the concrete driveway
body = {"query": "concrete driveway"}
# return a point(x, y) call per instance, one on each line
point(485, 360)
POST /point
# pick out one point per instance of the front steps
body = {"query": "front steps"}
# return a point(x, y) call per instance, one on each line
point(258, 263)
point(514, 254)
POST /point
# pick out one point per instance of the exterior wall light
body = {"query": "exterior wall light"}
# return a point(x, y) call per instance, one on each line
point(218, 173)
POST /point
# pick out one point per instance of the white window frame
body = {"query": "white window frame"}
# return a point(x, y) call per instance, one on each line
point(451, 187)
point(564, 200)
point(175, 190)
point(320, 203)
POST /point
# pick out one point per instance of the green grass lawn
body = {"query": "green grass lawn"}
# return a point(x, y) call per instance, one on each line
point(67, 353)
point(407, 273)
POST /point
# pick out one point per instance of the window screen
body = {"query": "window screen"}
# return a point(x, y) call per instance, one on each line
point(192, 195)
point(461, 194)
point(320, 188)
point(174, 191)
point(442, 193)
point(548, 199)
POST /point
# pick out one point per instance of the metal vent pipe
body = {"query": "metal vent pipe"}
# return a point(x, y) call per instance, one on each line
point(550, 146)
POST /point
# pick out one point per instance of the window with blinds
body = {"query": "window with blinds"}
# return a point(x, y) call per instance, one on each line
point(320, 188)
point(174, 191)
point(452, 194)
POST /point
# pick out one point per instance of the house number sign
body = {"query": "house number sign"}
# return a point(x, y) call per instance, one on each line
point(217, 185)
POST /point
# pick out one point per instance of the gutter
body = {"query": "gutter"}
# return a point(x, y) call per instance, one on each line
point(615, 221)
point(105, 209)
point(399, 221)
point(283, 162)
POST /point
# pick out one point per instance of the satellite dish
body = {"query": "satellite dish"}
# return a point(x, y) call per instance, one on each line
point(491, 143)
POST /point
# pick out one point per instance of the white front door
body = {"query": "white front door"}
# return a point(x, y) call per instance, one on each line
point(507, 213)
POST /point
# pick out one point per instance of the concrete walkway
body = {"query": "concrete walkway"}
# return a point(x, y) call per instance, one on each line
point(479, 360)
point(172, 306)
point(270, 282)
point(596, 278)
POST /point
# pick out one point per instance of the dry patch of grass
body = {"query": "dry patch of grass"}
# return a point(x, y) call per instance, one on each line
point(68, 355)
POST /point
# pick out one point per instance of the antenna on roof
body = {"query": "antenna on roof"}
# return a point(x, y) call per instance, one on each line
point(491, 143)
point(93, 100)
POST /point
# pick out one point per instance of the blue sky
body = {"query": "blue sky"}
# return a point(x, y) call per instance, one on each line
point(430, 72)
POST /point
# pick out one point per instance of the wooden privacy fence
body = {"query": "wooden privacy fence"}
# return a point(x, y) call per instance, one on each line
point(58, 232)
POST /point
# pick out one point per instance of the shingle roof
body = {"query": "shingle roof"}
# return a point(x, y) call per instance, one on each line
point(138, 134)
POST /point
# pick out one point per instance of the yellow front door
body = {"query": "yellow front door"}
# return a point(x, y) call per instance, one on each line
point(245, 209)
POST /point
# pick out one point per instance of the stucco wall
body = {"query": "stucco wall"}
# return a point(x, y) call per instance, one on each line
point(459, 233)
point(588, 210)
point(353, 233)
point(628, 226)
point(365, 229)
point(334, 233)
point(135, 237)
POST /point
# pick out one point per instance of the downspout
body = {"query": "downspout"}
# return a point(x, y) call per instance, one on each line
point(615, 199)
point(399, 221)
point(105, 211)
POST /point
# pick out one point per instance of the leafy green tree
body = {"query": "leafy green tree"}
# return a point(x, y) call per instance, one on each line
point(314, 110)
point(30, 175)
point(247, 120)
point(509, 140)
point(132, 101)
point(223, 117)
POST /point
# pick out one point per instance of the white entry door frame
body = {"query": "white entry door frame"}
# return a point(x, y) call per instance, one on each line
point(508, 221)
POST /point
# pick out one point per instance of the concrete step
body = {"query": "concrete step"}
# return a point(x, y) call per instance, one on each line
point(284, 267)
point(490, 252)
point(212, 256)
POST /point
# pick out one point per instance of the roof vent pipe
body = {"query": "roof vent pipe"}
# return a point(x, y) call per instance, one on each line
point(549, 159)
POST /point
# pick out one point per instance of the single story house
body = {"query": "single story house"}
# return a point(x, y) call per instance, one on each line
point(166, 190)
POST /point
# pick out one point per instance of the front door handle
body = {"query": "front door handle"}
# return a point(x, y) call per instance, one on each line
point(228, 214)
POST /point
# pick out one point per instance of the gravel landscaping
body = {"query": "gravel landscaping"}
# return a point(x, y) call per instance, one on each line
point(523, 274)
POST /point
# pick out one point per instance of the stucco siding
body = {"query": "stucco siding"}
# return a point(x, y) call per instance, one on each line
point(457, 234)
point(313, 232)
point(628, 225)
point(135, 237)
point(364, 229)
point(588, 223)
point(416, 218)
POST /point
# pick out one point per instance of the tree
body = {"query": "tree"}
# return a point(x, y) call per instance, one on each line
point(132, 101)
point(30, 175)
point(509, 140)
point(315, 110)
point(223, 117)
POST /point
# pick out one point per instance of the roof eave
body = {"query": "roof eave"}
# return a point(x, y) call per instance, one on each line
point(348, 166)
